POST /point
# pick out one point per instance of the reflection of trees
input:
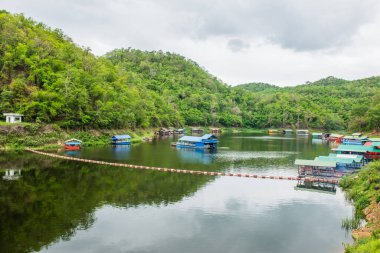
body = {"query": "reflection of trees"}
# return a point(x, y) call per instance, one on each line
point(52, 202)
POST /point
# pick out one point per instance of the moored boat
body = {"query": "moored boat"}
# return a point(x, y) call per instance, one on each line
point(73, 144)
point(124, 139)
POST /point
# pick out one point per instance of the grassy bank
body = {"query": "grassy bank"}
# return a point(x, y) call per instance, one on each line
point(364, 190)
point(19, 136)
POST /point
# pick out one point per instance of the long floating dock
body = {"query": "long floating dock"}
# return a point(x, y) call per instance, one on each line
point(197, 172)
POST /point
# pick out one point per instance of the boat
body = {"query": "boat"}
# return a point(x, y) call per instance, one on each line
point(73, 144)
point(124, 139)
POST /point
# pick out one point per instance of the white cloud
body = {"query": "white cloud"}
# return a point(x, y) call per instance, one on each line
point(280, 42)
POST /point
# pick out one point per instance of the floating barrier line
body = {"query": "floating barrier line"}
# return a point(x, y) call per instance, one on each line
point(197, 172)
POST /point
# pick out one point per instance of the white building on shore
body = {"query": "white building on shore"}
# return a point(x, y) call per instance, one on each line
point(13, 117)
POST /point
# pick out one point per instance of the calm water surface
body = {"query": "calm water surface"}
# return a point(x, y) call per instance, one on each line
point(63, 206)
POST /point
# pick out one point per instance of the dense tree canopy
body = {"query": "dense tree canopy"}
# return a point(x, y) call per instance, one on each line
point(47, 77)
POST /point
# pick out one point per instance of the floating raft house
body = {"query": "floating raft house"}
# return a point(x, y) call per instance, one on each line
point(288, 131)
point(207, 141)
point(73, 144)
point(274, 131)
point(179, 131)
point(302, 132)
point(344, 163)
point(336, 137)
point(354, 140)
point(369, 152)
point(124, 139)
point(316, 168)
point(164, 131)
point(317, 135)
point(215, 130)
point(196, 130)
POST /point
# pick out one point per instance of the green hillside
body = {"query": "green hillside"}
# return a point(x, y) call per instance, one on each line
point(50, 79)
point(257, 87)
point(329, 103)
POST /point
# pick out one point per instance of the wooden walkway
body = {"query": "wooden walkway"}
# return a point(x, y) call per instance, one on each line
point(197, 172)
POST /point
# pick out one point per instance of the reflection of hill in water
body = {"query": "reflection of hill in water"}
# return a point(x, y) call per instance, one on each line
point(196, 156)
point(54, 198)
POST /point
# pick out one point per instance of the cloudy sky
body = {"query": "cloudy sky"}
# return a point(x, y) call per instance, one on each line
point(283, 42)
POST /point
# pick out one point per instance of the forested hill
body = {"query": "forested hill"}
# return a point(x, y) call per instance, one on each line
point(50, 79)
point(333, 103)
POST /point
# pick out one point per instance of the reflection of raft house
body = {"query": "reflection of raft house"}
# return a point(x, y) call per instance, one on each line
point(207, 141)
point(124, 139)
point(12, 174)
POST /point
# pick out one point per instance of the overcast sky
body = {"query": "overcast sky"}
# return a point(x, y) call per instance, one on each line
point(282, 42)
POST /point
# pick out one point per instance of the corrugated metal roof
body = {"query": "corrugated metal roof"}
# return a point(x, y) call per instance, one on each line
point(355, 157)
point(353, 148)
point(374, 139)
point(191, 138)
point(357, 148)
point(208, 136)
point(317, 134)
point(120, 137)
point(336, 159)
point(315, 163)
point(375, 144)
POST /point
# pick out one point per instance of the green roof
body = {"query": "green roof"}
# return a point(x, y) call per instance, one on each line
point(376, 143)
point(357, 158)
point(357, 148)
point(374, 139)
point(314, 163)
point(336, 159)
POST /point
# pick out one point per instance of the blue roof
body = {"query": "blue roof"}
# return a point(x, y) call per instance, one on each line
point(191, 138)
point(208, 136)
point(72, 143)
point(197, 138)
point(120, 137)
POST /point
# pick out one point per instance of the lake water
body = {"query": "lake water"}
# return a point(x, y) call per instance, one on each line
point(64, 206)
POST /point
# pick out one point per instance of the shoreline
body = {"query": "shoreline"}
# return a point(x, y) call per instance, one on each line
point(363, 189)
point(15, 137)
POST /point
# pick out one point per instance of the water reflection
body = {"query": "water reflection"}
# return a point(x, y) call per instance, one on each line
point(74, 153)
point(228, 215)
point(12, 174)
point(197, 156)
point(121, 152)
point(64, 206)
